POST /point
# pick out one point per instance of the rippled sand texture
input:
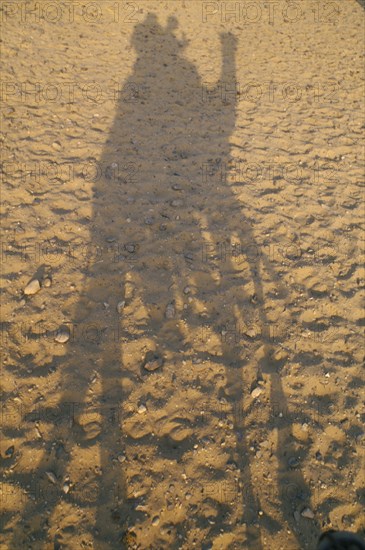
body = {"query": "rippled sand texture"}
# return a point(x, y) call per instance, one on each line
point(185, 182)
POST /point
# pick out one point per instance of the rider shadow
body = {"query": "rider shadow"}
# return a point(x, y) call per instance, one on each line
point(157, 209)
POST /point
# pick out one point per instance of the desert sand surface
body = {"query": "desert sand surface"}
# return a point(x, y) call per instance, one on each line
point(182, 281)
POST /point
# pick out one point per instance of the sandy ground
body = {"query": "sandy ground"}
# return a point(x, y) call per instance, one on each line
point(185, 183)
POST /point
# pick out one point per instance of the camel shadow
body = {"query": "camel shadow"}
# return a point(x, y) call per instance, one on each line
point(162, 283)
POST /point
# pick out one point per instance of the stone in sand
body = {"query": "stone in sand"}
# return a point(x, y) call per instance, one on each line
point(142, 409)
point(62, 336)
point(32, 288)
point(256, 392)
point(176, 203)
point(120, 306)
point(52, 478)
point(170, 311)
point(307, 513)
point(152, 361)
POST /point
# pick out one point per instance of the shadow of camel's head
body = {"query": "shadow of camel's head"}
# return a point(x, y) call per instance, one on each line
point(149, 34)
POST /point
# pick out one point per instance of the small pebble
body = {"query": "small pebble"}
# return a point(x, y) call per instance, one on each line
point(120, 306)
point(62, 336)
point(177, 203)
point(52, 478)
point(155, 521)
point(32, 288)
point(176, 187)
point(256, 392)
point(47, 282)
point(152, 361)
point(130, 248)
point(66, 488)
point(187, 289)
point(307, 513)
point(170, 311)
point(56, 145)
point(142, 409)
point(121, 458)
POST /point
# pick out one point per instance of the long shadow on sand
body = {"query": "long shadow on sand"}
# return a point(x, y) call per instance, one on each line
point(161, 212)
